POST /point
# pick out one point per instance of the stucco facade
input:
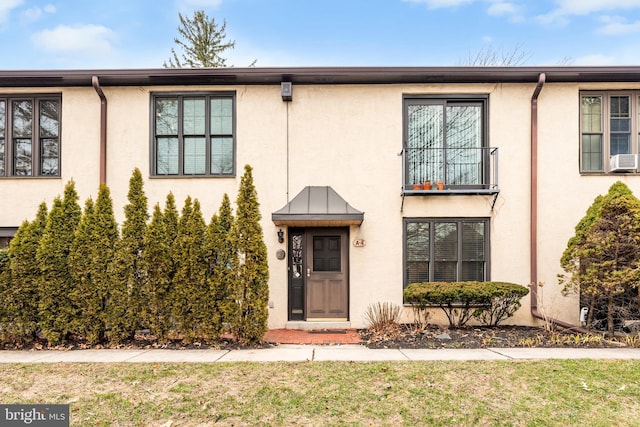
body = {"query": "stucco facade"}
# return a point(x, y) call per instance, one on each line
point(348, 135)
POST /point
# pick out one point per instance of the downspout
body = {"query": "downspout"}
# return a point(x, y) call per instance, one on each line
point(103, 129)
point(534, 214)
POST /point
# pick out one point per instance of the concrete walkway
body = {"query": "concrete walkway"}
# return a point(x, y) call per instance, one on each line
point(302, 353)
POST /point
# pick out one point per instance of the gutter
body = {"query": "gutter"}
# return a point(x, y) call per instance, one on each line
point(534, 215)
point(103, 129)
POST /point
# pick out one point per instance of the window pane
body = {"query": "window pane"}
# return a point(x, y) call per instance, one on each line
point(472, 271)
point(619, 106)
point(49, 119)
point(417, 269)
point(445, 241)
point(473, 241)
point(194, 155)
point(620, 143)
point(221, 116)
point(193, 116)
point(22, 159)
point(592, 152)
point(222, 156)
point(167, 156)
point(166, 116)
point(50, 153)
point(22, 119)
point(445, 271)
point(326, 253)
point(425, 142)
point(464, 142)
point(2, 162)
point(3, 116)
point(591, 114)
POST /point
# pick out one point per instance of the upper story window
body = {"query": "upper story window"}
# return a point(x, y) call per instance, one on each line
point(30, 135)
point(446, 250)
point(609, 126)
point(193, 134)
point(445, 139)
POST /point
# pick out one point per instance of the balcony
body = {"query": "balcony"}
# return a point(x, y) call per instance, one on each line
point(462, 171)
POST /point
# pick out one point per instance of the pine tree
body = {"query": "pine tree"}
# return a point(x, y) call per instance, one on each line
point(19, 295)
point(56, 310)
point(124, 306)
point(80, 268)
point(190, 282)
point(158, 267)
point(251, 291)
point(220, 273)
point(202, 42)
point(602, 260)
point(91, 262)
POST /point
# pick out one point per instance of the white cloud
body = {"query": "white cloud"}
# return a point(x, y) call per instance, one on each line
point(439, 4)
point(90, 40)
point(617, 26)
point(504, 8)
point(6, 6)
point(34, 13)
point(568, 8)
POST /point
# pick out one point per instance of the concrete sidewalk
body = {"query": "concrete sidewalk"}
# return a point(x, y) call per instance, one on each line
point(301, 353)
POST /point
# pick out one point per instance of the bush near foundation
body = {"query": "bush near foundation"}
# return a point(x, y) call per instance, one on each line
point(489, 302)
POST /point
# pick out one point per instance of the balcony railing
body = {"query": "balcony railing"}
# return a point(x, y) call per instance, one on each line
point(459, 170)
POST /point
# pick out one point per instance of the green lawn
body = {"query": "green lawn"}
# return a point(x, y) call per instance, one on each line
point(540, 393)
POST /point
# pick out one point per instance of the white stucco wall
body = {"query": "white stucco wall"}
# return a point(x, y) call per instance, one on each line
point(347, 137)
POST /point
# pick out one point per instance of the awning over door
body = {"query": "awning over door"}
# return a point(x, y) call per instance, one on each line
point(317, 207)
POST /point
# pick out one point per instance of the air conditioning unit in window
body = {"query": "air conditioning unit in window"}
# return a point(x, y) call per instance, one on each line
point(623, 163)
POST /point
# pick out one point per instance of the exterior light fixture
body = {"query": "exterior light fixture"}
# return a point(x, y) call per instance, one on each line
point(286, 90)
point(280, 236)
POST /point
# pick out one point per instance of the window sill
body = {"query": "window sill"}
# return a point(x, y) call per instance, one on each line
point(451, 191)
point(190, 176)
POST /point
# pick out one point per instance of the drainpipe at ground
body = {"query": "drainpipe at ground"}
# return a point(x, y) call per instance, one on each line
point(534, 215)
point(103, 129)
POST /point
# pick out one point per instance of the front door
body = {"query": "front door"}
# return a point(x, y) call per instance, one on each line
point(318, 274)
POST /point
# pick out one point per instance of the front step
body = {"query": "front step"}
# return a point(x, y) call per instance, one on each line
point(308, 326)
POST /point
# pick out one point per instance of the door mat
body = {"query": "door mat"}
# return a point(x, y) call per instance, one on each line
point(327, 331)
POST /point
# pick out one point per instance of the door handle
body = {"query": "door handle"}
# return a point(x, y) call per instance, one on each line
point(308, 272)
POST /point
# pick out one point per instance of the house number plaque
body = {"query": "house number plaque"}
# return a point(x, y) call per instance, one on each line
point(359, 243)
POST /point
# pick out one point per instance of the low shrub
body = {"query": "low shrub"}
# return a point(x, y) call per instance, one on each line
point(489, 302)
point(381, 317)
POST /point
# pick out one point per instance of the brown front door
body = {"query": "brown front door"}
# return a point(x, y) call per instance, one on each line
point(327, 274)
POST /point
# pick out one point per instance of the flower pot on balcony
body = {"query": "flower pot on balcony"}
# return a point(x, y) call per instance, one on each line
point(440, 185)
point(426, 185)
point(417, 186)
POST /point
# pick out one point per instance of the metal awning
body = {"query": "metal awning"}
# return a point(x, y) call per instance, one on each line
point(317, 207)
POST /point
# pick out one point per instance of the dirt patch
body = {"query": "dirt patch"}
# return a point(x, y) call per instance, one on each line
point(406, 336)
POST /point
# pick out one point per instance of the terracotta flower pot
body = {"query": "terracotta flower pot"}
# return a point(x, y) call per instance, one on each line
point(426, 185)
point(440, 185)
point(417, 186)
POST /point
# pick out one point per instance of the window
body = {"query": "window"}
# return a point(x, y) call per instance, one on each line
point(30, 135)
point(193, 134)
point(445, 139)
point(446, 250)
point(608, 121)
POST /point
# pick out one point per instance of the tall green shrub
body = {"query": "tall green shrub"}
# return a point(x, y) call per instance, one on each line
point(56, 308)
point(190, 297)
point(602, 260)
point(220, 256)
point(124, 306)
point(19, 294)
point(156, 285)
point(91, 262)
point(250, 291)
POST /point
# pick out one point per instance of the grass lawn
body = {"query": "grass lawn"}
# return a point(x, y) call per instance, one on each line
point(530, 393)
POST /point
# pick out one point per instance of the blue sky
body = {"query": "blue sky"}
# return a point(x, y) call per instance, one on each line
point(84, 34)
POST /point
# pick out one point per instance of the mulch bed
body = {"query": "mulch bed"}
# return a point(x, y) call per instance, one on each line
point(405, 336)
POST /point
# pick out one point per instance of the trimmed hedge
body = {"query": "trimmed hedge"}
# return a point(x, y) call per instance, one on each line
point(489, 302)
